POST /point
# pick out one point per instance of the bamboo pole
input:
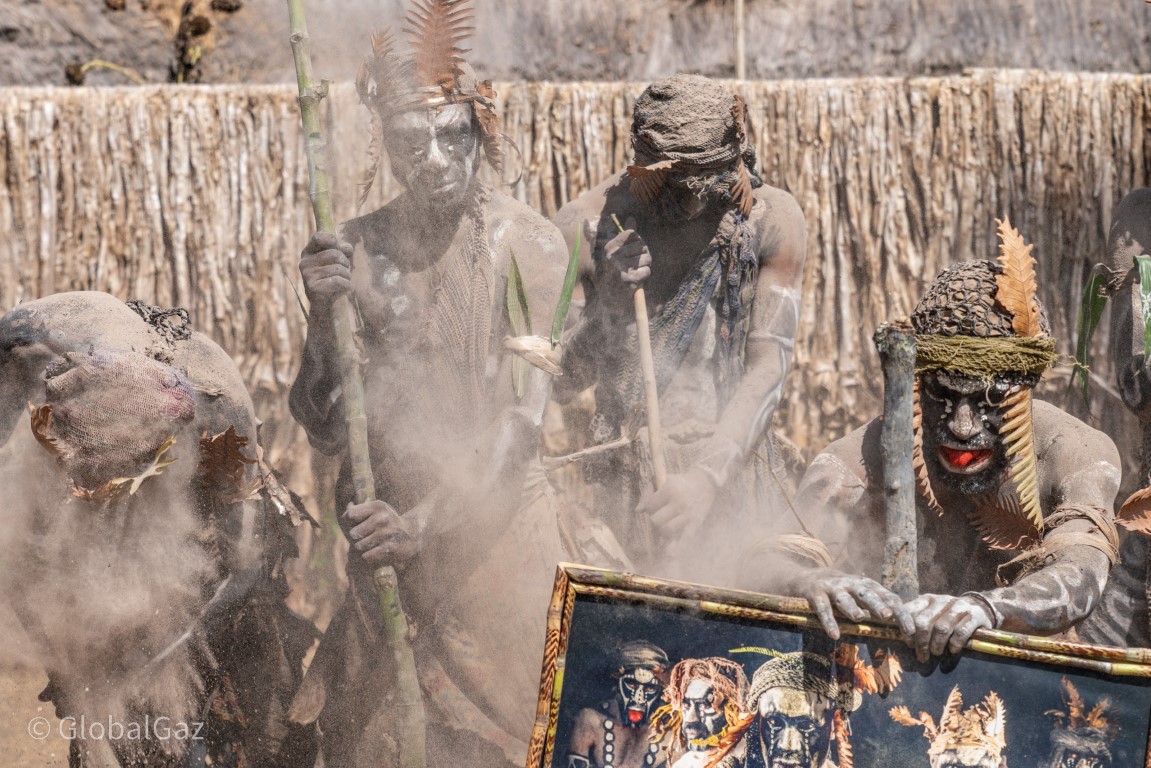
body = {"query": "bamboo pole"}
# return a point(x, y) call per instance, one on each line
point(896, 345)
point(407, 706)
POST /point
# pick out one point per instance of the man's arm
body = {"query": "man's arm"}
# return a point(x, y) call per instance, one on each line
point(1079, 547)
point(684, 503)
point(837, 508)
point(314, 400)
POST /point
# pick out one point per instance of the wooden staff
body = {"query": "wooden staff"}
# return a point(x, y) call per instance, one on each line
point(896, 345)
point(407, 709)
point(650, 391)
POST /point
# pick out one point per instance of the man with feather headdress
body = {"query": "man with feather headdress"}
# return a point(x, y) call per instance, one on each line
point(452, 428)
point(1082, 737)
point(975, 737)
point(1015, 524)
point(720, 256)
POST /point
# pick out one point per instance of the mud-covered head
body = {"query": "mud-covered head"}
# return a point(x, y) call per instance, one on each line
point(639, 668)
point(428, 107)
point(689, 136)
point(108, 414)
point(970, 360)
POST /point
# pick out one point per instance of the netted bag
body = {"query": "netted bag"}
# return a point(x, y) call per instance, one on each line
point(108, 413)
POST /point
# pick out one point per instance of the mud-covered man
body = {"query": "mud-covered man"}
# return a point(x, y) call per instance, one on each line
point(144, 554)
point(720, 256)
point(450, 437)
point(1014, 497)
point(617, 733)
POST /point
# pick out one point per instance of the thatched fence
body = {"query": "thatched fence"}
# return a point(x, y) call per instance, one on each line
point(197, 197)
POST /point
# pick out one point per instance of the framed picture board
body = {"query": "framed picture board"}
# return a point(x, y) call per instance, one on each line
point(644, 673)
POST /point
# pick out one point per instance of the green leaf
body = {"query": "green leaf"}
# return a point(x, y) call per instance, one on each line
point(521, 322)
point(1144, 265)
point(566, 293)
point(1090, 311)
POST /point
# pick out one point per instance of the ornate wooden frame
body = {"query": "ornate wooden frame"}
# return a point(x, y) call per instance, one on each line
point(576, 580)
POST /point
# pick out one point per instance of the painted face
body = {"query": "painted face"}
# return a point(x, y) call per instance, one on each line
point(795, 730)
point(961, 423)
point(435, 152)
point(965, 757)
point(703, 715)
point(639, 689)
point(1073, 758)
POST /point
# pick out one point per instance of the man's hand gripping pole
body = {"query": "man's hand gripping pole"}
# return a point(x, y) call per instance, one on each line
point(408, 704)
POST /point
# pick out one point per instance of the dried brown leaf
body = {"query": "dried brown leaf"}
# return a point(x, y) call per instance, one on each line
point(1016, 286)
point(1004, 527)
point(1135, 514)
point(918, 464)
point(1074, 704)
point(42, 429)
point(843, 742)
point(743, 196)
point(1018, 433)
point(223, 463)
point(646, 181)
point(437, 29)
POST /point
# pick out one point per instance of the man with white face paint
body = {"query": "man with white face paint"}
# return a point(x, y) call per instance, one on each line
point(618, 732)
point(704, 699)
point(800, 716)
point(720, 257)
point(451, 437)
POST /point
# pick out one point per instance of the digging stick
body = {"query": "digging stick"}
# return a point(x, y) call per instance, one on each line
point(650, 392)
point(651, 401)
point(407, 707)
point(896, 345)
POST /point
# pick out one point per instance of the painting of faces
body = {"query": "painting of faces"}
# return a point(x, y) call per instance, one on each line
point(647, 684)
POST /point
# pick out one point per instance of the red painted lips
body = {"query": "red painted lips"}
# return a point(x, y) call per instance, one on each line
point(961, 459)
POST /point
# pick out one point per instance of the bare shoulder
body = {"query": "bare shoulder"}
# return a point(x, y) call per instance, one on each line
point(590, 205)
point(1061, 437)
point(512, 223)
point(779, 227)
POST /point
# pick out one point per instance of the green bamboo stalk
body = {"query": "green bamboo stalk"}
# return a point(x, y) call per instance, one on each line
point(407, 707)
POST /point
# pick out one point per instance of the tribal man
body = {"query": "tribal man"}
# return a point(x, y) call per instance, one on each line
point(720, 257)
point(450, 438)
point(971, 738)
point(145, 540)
point(799, 706)
point(618, 733)
point(704, 698)
point(996, 475)
point(1082, 735)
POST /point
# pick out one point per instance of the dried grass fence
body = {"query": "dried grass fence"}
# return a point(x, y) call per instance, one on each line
point(196, 197)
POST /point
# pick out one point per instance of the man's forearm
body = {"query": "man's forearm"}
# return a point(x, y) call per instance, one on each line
point(1056, 596)
point(747, 415)
point(314, 399)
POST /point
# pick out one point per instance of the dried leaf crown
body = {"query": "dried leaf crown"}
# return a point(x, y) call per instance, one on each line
point(980, 726)
point(434, 74)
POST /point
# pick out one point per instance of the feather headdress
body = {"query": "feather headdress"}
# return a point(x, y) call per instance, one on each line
point(981, 726)
point(1016, 289)
point(435, 74)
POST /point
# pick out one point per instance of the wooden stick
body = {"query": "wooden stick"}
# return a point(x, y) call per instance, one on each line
point(406, 710)
point(650, 390)
point(896, 345)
